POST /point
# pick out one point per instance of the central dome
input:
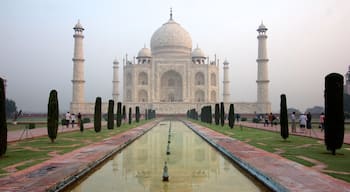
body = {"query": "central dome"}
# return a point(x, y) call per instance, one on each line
point(171, 39)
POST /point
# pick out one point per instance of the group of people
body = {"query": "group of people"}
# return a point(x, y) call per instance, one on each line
point(269, 119)
point(305, 122)
point(70, 119)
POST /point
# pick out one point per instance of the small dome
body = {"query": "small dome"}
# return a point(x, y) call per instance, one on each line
point(262, 28)
point(171, 38)
point(144, 52)
point(78, 26)
point(198, 52)
point(115, 61)
point(226, 62)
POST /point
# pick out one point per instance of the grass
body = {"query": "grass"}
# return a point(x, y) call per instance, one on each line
point(26, 153)
point(292, 148)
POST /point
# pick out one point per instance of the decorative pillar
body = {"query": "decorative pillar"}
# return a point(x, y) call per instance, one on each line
point(78, 70)
point(115, 81)
point(226, 83)
point(262, 60)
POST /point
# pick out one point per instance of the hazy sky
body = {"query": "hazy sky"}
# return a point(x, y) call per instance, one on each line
point(307, 39)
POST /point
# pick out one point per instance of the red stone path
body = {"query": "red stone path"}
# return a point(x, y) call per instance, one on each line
point(39, 132)
point(288, 174)
point(47, 175)
point(315, 133)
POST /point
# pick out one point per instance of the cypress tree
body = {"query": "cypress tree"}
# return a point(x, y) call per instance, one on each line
point(97, 115)
point(130, 117)
point(119, 114)
point(3, 124)
point(231, 116)
point(137, 115)
point(284, 117)
point(124, 113)
point(146, 115)
point(110, 123)
point(81, 126)
point(210, 115)
point(52, 116)
point(217, 114)
point(222, 113)
point(334, 112)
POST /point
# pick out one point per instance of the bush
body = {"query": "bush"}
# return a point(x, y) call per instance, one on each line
point(243, 119)
point(255, 120)
point(31, 126)
point(86, 120)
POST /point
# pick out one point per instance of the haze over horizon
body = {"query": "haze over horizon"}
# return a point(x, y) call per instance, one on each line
point(306, 41)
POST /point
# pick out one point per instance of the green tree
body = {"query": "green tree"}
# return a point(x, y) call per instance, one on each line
point(97, 115)
point(124, 113)
point(137, 115)
point(3, 124)
point(284, 117)
point(231, 116)
point(130, 117)
point(110, 123)
point(222, 113)
point(119, 114)
point(217, 114)
point(52, 116)
point(334, 112)
point(11, 108)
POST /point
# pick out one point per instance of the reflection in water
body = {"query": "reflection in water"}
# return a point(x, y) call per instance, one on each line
point(193, 165)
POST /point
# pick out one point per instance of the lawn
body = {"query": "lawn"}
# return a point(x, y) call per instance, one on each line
point(25, 153)
point(306, 151)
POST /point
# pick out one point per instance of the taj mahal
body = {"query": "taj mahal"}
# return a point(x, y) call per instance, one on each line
point(171, 76)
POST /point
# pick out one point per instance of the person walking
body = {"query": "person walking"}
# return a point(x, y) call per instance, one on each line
point(67, 118)
point(308, 122)
point(271, 119)
point(79, 119)
point(322, 121)
point(266, 120)
point(72, 118)
point(293, 122)
point(302, 122)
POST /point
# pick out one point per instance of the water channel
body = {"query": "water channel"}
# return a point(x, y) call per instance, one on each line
point(193, 165)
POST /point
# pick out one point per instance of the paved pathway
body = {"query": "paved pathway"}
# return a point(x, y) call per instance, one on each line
point(314, 133)
point(281, 173)
point(17, 135)
point(62, 169)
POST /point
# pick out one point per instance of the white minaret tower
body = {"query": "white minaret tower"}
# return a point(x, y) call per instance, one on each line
point(263, 76)
point(78, 70)
point(226, 83)
point(347, 82)
point(115, 80)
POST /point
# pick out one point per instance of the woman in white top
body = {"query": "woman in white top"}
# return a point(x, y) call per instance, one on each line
point(302, 121)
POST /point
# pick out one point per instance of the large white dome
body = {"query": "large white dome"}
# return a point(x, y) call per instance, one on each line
point(171, 39)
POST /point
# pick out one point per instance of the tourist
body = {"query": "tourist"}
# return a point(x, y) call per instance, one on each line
point(67, 118)
point(322, 121)
point(72, 118)
point(293, 122)
point(266, 120)
point(308, 122)
point(79, 119)
point(302, 122)
point(271, 119)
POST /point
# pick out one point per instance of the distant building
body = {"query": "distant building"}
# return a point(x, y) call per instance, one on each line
point(170, 76)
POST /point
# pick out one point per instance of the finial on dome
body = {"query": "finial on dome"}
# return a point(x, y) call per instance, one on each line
point(171, 13)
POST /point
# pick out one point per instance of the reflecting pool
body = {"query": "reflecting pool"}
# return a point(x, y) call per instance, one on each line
point(193, 165)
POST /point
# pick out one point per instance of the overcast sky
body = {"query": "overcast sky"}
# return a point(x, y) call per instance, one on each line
point(307, 39)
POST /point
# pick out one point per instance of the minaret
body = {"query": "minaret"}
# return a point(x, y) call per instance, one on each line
point(115, 81)
point(347, 82)
point(78, 70)
point(226, 83)
point(263, 76)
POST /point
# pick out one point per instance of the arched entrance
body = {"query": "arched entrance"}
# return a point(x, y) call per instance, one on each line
point(171, 87)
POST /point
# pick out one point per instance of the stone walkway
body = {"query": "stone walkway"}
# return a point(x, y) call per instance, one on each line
point(314, 133)
point(278, 172)
point(23, 134)
point(63, 169)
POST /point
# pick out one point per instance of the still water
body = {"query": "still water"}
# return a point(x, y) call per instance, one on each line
point(193, 165)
